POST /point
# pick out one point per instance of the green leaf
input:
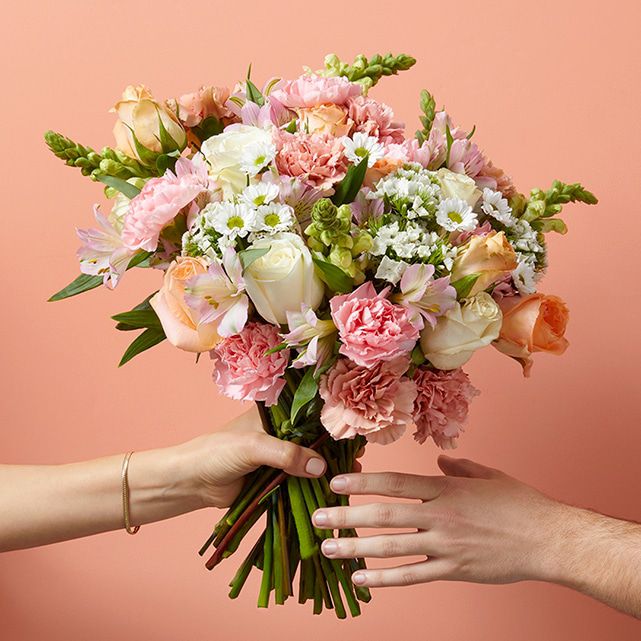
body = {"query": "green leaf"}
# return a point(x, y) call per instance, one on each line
point(125, 188)
point(139, 319)
point(248, 256)
point(463, 286)
point(450, 140)
point(145, 341)
point(167, 141)
point(346, 190)
point(334, 277)
point(141, 259)
point(279, 348)
point(305, 392)
point(550, 224)
point(165, 162)
point(253, 93)
point(209, 127)
point(469, 136)
point(147, 156)
point(83, 283)
point(417, 356)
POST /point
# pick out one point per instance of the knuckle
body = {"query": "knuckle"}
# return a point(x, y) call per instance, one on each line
point(383, 515)
point(407, 578)
point(389, 547)
point(287, 457)
point(396, 483)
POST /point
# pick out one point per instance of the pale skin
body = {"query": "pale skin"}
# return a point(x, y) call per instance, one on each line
point(43, 504)
point(480, 525)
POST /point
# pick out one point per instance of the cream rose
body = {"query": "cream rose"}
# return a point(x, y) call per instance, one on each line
point(491, 256)
point(328, 119)
point(175, 316)
point(282, 279)
point(224, 155)
point(461, 331)
point(140, 115)
point(455, 185)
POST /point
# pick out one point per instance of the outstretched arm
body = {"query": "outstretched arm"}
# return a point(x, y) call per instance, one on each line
point(478, 524)
point(43, 504)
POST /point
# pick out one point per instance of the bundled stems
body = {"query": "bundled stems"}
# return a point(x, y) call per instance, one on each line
point(289, 544)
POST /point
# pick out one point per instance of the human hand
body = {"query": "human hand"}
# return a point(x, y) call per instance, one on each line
point(474, 524)
point(215, 464)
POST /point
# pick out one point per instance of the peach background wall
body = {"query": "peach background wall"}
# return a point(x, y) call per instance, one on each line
point(553, 89)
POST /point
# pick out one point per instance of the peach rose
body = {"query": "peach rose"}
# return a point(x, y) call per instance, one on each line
point(176, 318)
point(491, 256)
point(139, 114)
point(382, 167)
point(327, 119)
point(534, 323)
point(193, 108)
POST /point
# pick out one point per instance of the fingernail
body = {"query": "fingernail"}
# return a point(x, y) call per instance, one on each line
point(320, 518)
point(329, 547)
point(358, 578)
point(315, 466)
point(339, 483)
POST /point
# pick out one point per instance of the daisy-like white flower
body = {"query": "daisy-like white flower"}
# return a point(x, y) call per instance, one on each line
point(496, 206)
point(454, 214)
point(230, 219)
point(274, 217)
point(524, 276)
point(256, 156)
point(260, 194)
point(361, 146)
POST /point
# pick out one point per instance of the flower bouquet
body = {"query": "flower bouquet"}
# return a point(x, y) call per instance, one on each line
point(338, 272)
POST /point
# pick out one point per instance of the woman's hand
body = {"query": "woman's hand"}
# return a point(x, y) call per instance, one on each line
point(215, 464)
point(474, 524)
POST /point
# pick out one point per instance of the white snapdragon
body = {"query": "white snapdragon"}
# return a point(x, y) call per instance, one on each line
point(411, 191)
point(360, 146)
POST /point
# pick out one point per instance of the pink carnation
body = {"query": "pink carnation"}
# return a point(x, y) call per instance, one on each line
point(371, 327)
point(160, 201)
point(495, 178)
point(311, 90)
point(243, 370)
point(375, 119)
point(374, 402)
point(316, 159)
point(442, 404)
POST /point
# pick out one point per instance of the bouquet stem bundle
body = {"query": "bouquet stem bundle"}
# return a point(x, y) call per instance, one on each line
point(289, 546)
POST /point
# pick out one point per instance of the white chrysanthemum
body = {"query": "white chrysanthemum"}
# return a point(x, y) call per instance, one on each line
point(256, 156)
point(230, 219)
point(497, 207)
point(274, 218)
point(261, 193)
point(454, 214)
point(362, 145)
point(524, 276)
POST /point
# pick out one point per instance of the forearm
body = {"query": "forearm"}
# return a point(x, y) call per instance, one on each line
point(601, 557)
point(46, 504)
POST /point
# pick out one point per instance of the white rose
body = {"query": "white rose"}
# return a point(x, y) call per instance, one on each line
point(455, 185)
point(283, 279)
point(224, 155)
point(461, 331)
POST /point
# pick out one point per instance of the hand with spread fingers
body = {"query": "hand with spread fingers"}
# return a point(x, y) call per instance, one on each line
point(480, 525)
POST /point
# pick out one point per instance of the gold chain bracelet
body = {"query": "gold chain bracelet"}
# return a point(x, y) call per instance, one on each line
point(125, 495)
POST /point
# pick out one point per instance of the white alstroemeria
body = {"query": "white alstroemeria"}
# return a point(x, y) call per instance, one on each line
point(360, 146)
point(274, 217)
point(256, 156)
point(496, 206)
point(425, 297)
point(230, 219)
point(391, 270)
point(524, 276)
point(454, 214)
point(103, 252)
point(312, 337)
point(219, 294)
point(260, 194)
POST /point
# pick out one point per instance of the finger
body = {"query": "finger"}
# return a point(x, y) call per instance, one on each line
point(409, 486)
point(380, 547)
point(382, 515)
point(466, 468)
point(411, 574)
point(283, 455)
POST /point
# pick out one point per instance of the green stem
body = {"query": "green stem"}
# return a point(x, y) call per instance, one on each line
point(279, 568)
point(240, 578)
point(308, 547)
point(333, 588)
point(266, 583)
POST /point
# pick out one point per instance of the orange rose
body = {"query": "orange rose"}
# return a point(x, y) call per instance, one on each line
point(491, 256)
point(175, 316)
point(139, 114)
point(382, 167)
point(327, 119)
point(534, 323)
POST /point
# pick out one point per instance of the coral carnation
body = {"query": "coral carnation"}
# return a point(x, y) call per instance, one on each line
point(375, 119)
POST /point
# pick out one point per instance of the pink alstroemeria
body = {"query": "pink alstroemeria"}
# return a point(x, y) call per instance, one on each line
point(425, 297)
point(219, 294)
point(103, 252)
point(314, 338)
point(272, 113)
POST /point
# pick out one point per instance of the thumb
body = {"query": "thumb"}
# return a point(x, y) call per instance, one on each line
point(283, 455)
point(466, 468)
